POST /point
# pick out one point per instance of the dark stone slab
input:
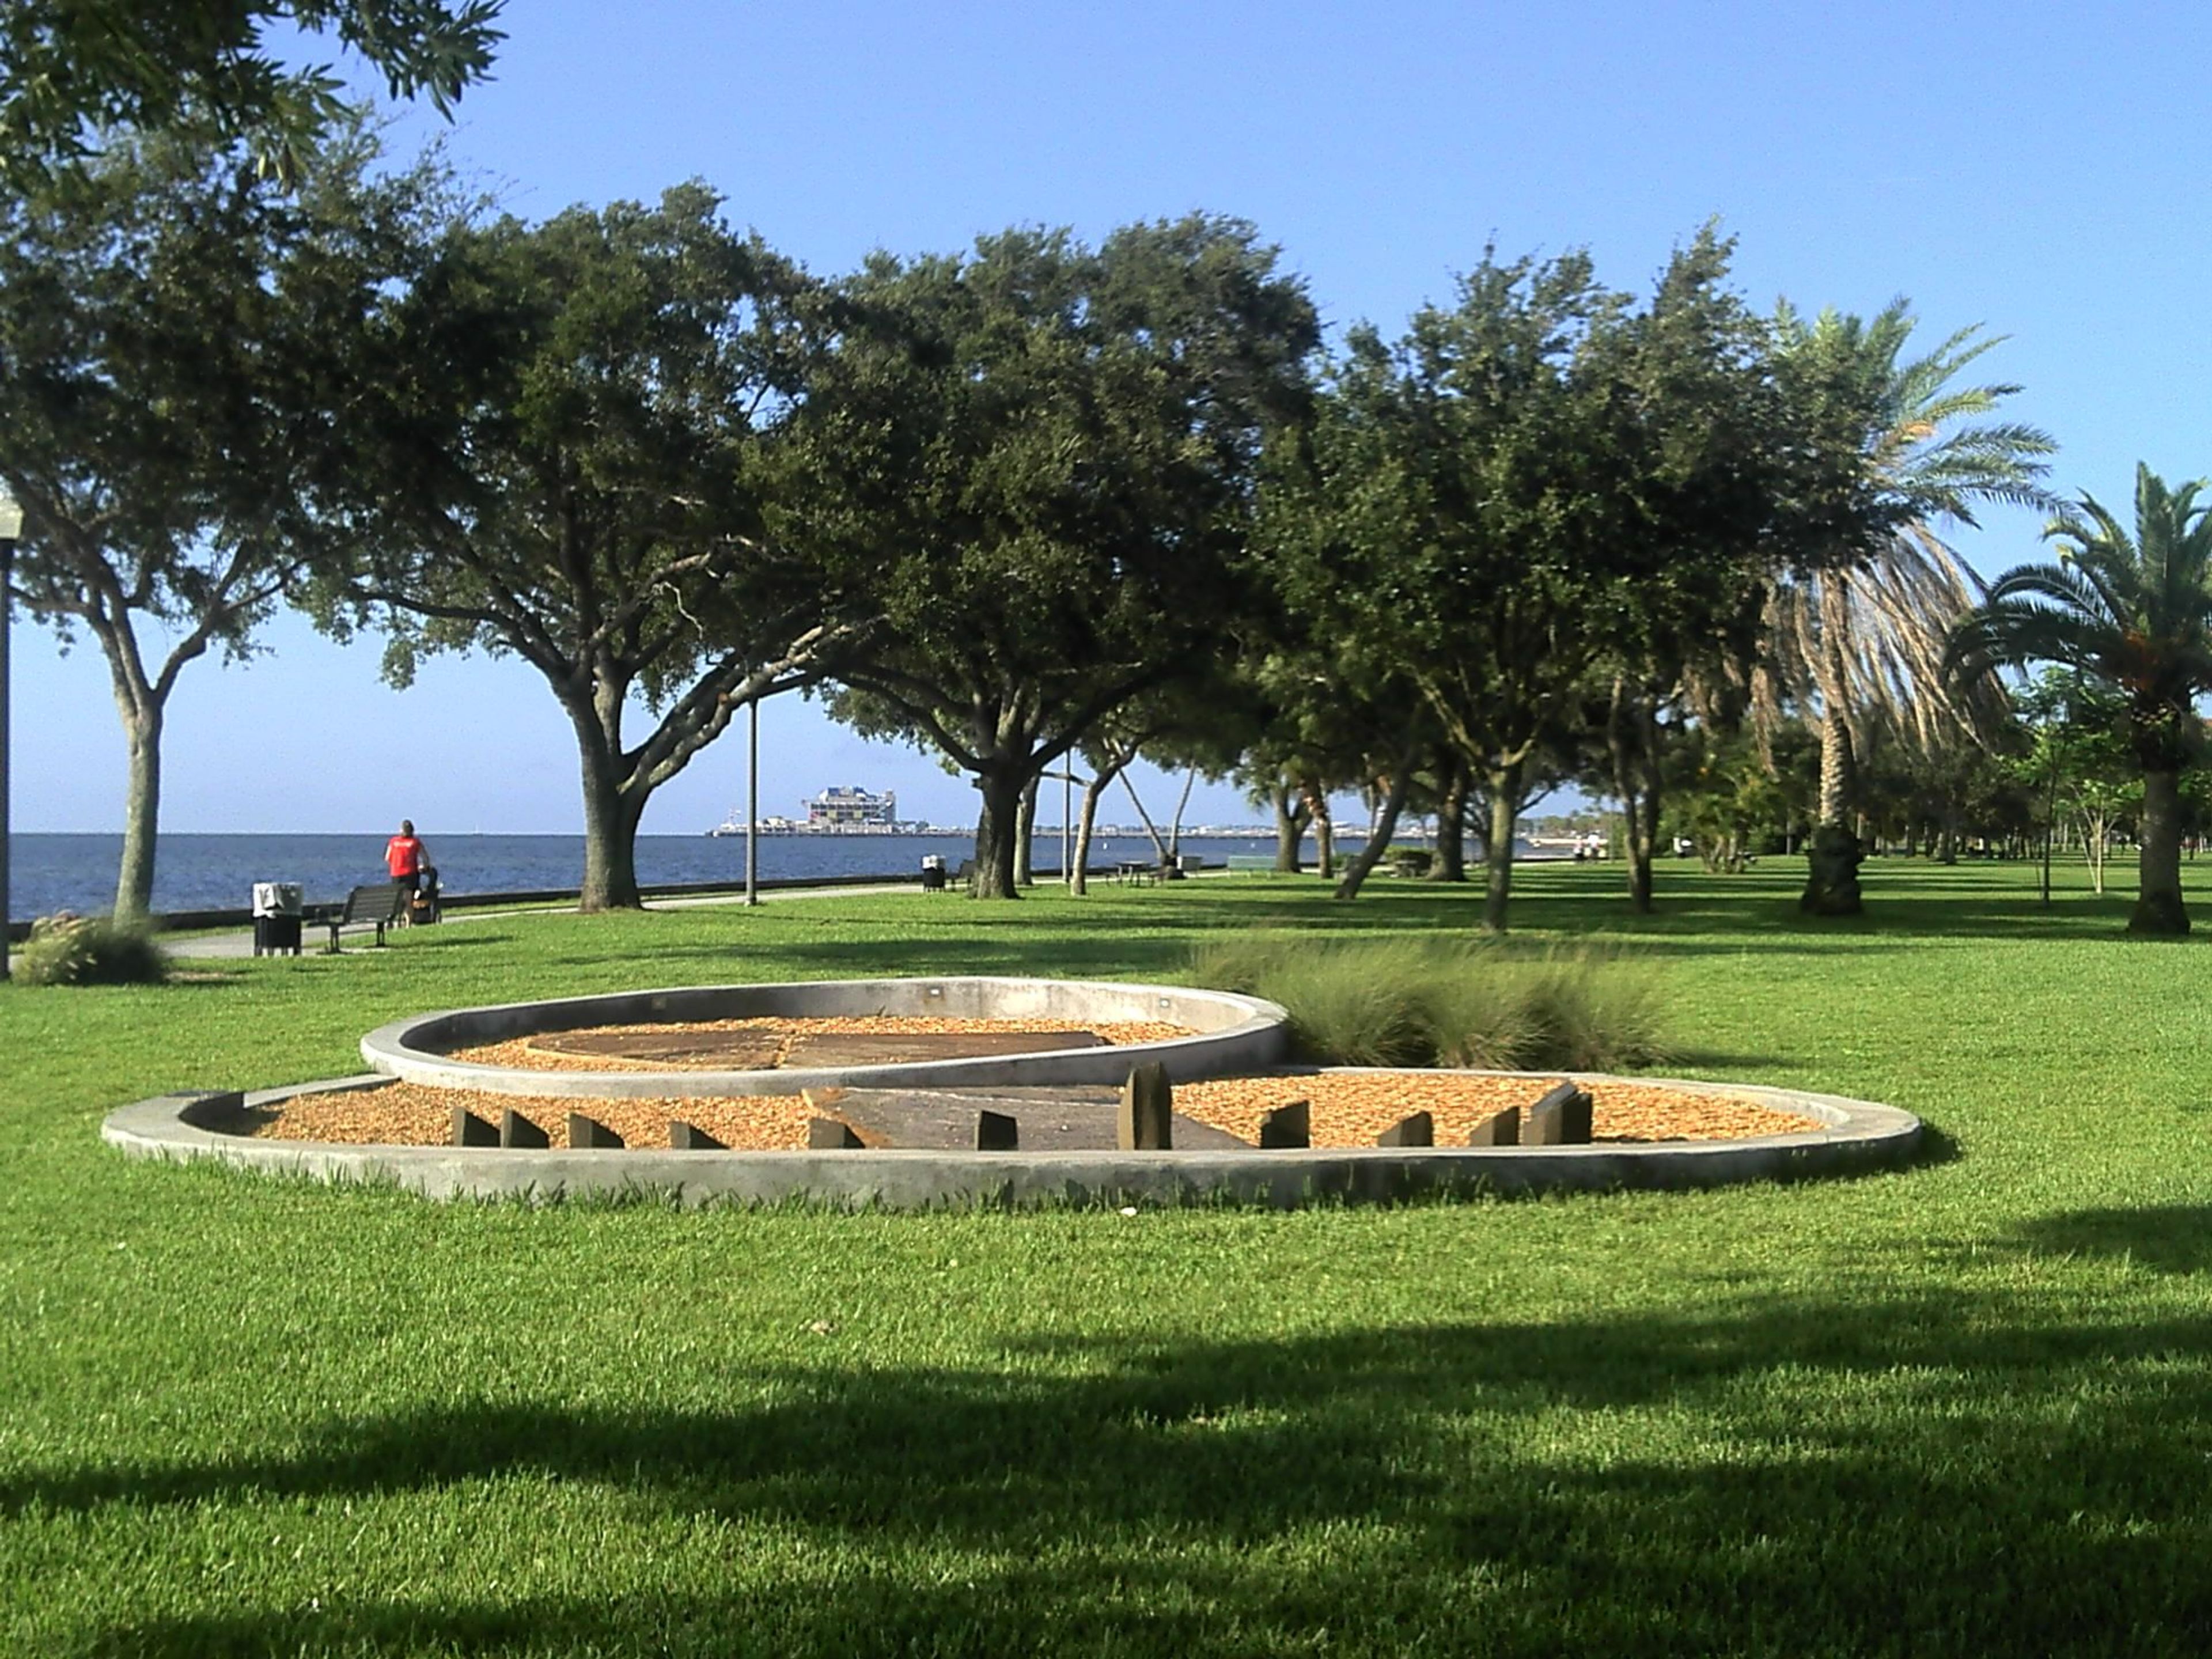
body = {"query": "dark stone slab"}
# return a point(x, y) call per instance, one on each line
point(469, 1130)
point(721, 1051)
point(997, 1132)
point(584, 1133)
point(829, 1049)
point(1498, 1129)
point(1561, 1118)
point(1147, 1111)
point(1072, 1118)
point(516, 1130)
point(1290, 1125)
point(827, 1134)
point(1418, 1130)
point(690, 1138)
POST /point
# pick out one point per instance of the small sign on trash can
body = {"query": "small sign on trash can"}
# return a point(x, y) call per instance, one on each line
point(277, 909)
point(277, 898)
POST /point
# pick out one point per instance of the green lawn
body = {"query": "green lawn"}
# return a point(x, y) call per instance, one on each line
point(1966, 1408)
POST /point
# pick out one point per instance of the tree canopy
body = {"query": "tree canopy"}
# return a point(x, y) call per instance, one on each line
point(568, 469)
point(1041, 458)
point(1539, 479)
point(180, 362)
point(72, 71)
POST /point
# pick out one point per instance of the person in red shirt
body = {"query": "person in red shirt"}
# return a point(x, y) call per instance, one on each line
point(405, 857)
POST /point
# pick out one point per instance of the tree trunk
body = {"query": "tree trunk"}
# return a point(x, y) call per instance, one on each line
point(1324, 831)
point(610, 812)
point(141, 811)
point(1505, 789)
point(1091, 792)
point(1833, 857)
point(997, 833)
point(1025, 838)
point(1182, 804)
point(1449, 861)
point(610, 820)
point(1384, 826)
point(1632, 737)
point(2158, 902)
point(1151, 829)
point(1292, 817)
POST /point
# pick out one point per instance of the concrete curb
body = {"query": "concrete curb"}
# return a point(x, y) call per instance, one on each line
point(1858, 1136)
point(1236, 1034)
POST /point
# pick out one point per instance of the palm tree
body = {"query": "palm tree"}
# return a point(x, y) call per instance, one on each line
point(2135, 613)
point(1860, 630)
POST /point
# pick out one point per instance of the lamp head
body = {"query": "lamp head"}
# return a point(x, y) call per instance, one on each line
point(11, 516)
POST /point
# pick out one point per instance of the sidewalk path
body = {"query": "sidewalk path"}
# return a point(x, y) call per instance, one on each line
point(241, 945)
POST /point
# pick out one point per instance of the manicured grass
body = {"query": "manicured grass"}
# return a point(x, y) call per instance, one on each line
point(1964, 1409)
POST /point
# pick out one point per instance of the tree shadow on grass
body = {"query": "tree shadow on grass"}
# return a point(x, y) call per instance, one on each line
point(2166, 1238)
point(1943, 1473)
point(468, 938)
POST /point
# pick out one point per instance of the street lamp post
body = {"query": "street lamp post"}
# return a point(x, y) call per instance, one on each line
point(753, 804)
point(11, 526)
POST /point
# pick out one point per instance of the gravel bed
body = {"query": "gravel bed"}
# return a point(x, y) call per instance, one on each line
point(523, 1052)
point(1349, 1110)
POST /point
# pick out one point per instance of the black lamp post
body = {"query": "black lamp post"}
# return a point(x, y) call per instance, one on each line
point(752, 803)
point(11, 526)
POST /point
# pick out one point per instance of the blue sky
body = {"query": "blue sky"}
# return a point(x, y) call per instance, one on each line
point(2038, 168)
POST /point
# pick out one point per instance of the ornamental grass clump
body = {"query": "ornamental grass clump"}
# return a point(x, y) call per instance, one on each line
point(70, 950)
point(1459, 1003)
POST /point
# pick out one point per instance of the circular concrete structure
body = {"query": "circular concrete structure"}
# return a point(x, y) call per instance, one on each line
point(1231, 1034)
point(1855, 1136)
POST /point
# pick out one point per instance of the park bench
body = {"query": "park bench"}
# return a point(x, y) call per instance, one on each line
point(377, 905)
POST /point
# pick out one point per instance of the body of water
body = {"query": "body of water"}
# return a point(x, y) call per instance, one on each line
point(52, 872)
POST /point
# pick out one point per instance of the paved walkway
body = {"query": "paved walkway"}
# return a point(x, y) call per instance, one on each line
point(241, 945)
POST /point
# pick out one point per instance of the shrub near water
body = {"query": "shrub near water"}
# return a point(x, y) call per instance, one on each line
point(1418, 1002)
point(67, 950)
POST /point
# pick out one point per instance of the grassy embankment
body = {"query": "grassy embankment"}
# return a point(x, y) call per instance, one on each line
point(1967, 1408)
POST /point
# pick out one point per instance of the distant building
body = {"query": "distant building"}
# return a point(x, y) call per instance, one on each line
point(852, 808)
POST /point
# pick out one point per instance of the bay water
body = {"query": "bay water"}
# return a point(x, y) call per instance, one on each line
point(76, 872)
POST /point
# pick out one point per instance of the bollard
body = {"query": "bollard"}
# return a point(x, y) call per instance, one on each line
point(1498, 1129)
point(1289, 1125)
point(1144, 1121)
point(1418, 1130)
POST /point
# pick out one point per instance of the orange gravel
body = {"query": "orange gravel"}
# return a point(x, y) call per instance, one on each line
point(1349, 1110)
point(408, 1115)
point(522, 1051)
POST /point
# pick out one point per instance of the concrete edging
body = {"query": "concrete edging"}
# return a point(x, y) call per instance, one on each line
point(1858, 1136)
point(1236, 1033)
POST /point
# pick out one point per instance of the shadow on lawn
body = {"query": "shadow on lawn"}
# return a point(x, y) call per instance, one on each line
point(2167, 1238)
point(1946, 1473)
point(416, 938)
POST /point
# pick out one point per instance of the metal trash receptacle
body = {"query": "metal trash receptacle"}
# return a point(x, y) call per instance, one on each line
point(277, 908)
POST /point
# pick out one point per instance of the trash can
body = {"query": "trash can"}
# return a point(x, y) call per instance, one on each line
point(276, 918)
